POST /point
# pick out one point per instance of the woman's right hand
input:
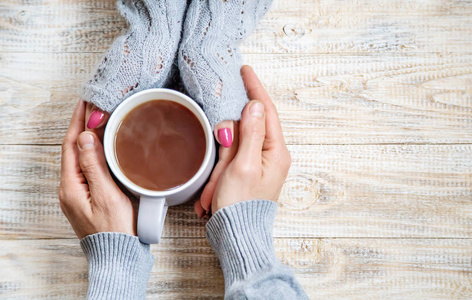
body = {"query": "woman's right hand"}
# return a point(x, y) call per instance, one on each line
point(88, 196)
point(257, 163)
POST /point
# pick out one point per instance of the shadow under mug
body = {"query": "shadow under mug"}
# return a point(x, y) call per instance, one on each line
point(153, 204)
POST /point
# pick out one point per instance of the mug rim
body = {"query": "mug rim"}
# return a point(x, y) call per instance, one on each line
point(113, 125)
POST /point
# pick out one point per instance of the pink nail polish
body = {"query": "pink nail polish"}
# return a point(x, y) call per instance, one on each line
point(225, 137)
point(95, 119)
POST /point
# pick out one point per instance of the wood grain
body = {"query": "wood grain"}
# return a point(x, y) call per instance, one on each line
point(327, 99)
point(188, 269)
point(331, 191)
point(309, 27)
point(375, 99)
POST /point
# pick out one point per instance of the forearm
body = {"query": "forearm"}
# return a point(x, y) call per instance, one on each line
point(241, 236)
point(119, 266)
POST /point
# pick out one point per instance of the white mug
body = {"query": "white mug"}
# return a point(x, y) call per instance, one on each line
point(153, 204)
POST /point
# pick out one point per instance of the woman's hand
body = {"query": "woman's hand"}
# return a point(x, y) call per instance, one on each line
point(88, 196)
point(257, 163)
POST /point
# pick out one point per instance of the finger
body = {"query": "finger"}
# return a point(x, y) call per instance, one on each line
point(207, 193)
point(95, 117)
point(252, 134)
point(95, 120)
point(224, 133)
point(70, 171)
point(226, 155)
point(198, 209)
point(255, 90)
point(94, 167)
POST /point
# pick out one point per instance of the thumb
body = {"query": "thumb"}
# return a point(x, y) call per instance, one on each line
point(93, 164)
point(252, 133)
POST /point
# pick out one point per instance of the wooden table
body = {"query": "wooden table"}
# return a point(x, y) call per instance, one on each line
point(375, 99)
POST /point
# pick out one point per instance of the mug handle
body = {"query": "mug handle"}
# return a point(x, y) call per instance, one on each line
point(151, 216)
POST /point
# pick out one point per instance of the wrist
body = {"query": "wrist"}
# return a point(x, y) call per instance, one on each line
point(241, 236)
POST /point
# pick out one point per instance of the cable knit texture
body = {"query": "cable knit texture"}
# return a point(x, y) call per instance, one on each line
point(142, 58)
point(209, 56)
point(241, 236)
point(119, 266)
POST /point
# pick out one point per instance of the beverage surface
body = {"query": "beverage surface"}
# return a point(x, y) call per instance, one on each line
point(160, 145)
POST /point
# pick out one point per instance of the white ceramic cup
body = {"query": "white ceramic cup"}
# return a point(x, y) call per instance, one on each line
point(153, 204)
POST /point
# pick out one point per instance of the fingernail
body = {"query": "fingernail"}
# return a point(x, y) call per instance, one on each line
point(257, 109)
point(85, 141)
point(95, 119)
point(206, 216)
point(225, 137)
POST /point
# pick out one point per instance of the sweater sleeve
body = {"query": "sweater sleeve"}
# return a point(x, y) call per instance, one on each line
point(119, 265)
point(241, 236)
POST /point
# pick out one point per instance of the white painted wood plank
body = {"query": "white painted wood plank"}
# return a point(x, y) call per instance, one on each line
point(303, 26)
point(331, 191)
point(327, 99)
point(188, 269)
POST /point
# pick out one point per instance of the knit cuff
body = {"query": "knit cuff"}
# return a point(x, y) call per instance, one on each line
point(241, 236)
point(119, 265)
point(223, 111)
point(102, 98)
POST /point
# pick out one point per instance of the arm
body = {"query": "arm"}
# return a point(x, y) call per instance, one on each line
point(119, 266)
point(241, 236)
point(240, 231)
point(102, 217)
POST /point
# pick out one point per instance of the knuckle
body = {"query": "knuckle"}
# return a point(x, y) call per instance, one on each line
point(246, 170)
point(66, 142)
point(106, 202)
point(63, 207)
point(255, 132)
point(62, 194)
point(111, 199)
point(88, 164)
point(64, 199)
point(282, 160)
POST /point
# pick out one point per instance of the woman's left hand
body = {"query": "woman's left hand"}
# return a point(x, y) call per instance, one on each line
point(229, 142)
point(90, 199)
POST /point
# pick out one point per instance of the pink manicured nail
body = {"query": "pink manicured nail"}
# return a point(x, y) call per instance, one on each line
point(225, 137)
point(95, 119)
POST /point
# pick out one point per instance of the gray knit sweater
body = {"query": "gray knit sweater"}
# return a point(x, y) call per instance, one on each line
point(241, 236)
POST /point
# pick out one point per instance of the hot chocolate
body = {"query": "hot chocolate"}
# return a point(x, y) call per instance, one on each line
point(160, 145)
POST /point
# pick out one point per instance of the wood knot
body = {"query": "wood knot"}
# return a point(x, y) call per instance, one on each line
point(299, 253)
point(293, 30)
point(300, 191)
